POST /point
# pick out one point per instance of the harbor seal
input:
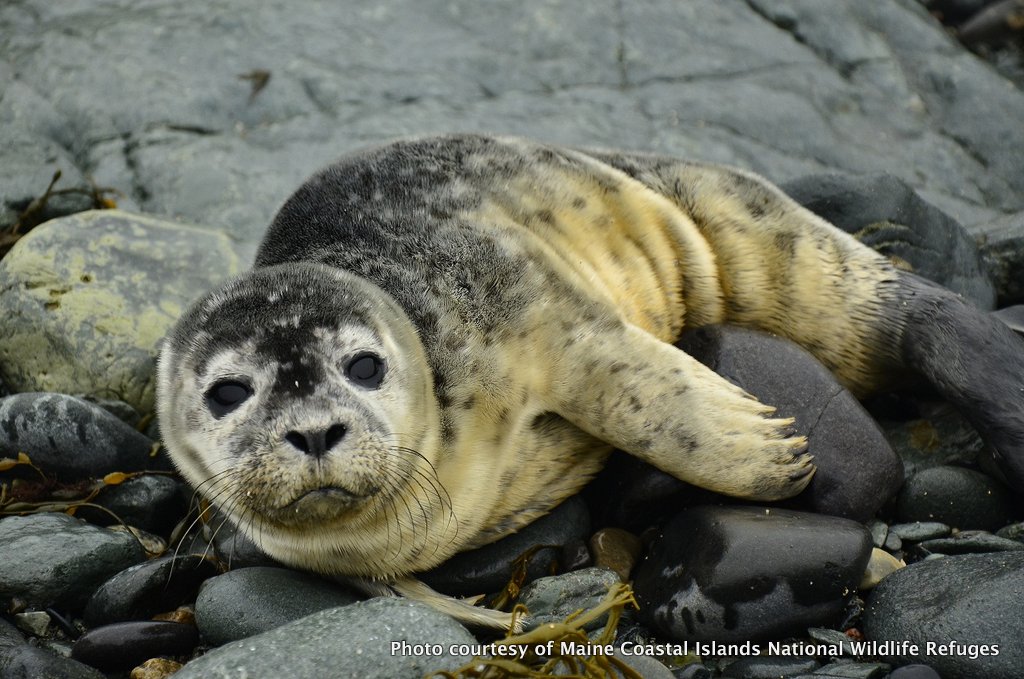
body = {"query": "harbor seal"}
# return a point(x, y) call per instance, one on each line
point(443, 338)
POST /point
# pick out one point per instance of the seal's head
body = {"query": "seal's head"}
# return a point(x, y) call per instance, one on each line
point(298, 399)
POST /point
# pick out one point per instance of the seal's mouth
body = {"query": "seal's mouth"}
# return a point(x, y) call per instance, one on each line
point(326, 500)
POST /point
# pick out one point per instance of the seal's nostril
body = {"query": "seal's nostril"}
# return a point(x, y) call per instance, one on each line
point(335, 434)
point(297, 440)
point(317, 443)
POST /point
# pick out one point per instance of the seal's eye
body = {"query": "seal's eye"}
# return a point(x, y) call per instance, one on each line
point(225, 396)
point(366, 370)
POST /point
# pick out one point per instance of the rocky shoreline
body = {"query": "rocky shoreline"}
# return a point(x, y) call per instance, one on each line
point(906, 557)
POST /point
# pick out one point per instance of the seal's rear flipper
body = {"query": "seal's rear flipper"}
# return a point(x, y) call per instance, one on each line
point(974, 360)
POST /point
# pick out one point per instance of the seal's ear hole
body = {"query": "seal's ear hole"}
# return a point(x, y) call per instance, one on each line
point(226, 395)
point(366, 370)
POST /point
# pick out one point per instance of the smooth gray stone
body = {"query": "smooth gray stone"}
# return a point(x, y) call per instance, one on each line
point(19, 660)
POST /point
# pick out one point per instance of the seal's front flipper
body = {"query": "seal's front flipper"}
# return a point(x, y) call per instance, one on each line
point(974, 360)
point(628, 388)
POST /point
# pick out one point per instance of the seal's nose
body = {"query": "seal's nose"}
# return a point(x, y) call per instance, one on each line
point(317, 443)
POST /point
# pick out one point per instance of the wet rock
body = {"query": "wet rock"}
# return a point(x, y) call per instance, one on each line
point(155, 668)
point(19, 660)
point(34, 622)
point(746, 573)
point(886, 214)
point(914, 672)
point(70, 439)
point(57, 560)
point(88, 297)
point(489, 568)
point(879, 532)
point(880, 566)
point(939, 438)
point(971, 541)
point(963, 599)
point(961, 498)
point(151, 502)
point(142, 591)
point(616, 550)
point(553, 598)
point(847, 669)
point(920, 530)
point(1002, 246)
point(231, 545)
point(857, 470)
point(124, 645)
point(249, 601)
point(693, 671)
point(363, 640)
point(1014, 531)
point(646, 667)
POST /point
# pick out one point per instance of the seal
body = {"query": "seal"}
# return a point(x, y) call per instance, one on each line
point(443, 338)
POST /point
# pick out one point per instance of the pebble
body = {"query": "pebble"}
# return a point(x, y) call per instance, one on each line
point(769, 668)
point(1014, 531)
point(615, 549)
point(966, 598)
point(87, 298)
point(152, 502)
point(249, 601)
point(962, 498)
point(881, 565)
point(554, 598)
point(832, 637)
point(846, 669)
point(57, 560)
point(123, 645)
point(920, 530)
point(971, 541)
point(914, 672)
point(361, 641)
point(149, 588)
point(35, 623)
point(857, 470)
point(20, 660)
point(733, 574)
point(155, 668)
point(489, 568)
point(879, 531)
point(70, 439)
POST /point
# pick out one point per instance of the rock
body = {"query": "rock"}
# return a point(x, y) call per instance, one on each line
point(231, 545)
point(956, 599)
point(879, 532)
point(155, 668)
point(19, 660)
point(961, 498)
point(35, 623)
point(124, 645)
point(769, 668)
point(914, 672)
point(971, 541)
point(57, 560)
point(886, 214)
point(1013, 316)
point(89, 296)
point(940, 438)
point(489, 568)
point(383, 638)
point(920, 530)
point(847, 669)
point(646, 667)
point(70, 439)
point(249, 601)
point(1012, 532)
point(1002, 246)
point(553, 598)
point(151, 502)
point(857, 471)
point(693, 671)
point(881, 565)
point(616, 550)
point(142, 591)
point(733, 574)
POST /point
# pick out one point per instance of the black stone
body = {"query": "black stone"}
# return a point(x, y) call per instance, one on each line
point(19, 660)
point(914, 672)
point(971, 599)
point(733, 574)
point(857, 470)
point(490, 568)
point(770, 668)
point(959, 497)
point(70, 439)
point(970, 542)
point(142, 591)
point(124, 645)
point(154, 503)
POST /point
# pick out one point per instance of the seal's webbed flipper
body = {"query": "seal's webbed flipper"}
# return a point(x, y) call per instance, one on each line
point(973, 360)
